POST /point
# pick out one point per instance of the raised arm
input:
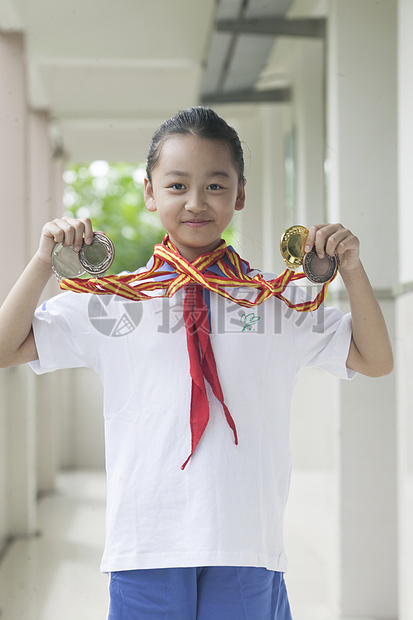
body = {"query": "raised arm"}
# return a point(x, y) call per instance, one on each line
point(370, 350)
point(17, 344)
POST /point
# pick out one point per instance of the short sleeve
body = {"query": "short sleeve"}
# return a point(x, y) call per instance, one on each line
point(322, 339)
point(62, 334)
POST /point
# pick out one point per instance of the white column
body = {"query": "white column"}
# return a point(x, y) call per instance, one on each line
point(362, 117)
point(44, 187)
point(248, 223)
point(42, 209)
point(4, 532)
point(13, 169)
point(18, 486)
point(405, 424)
point(63, 383)
point(273, 193)
point(309, 121)
point(21, 452)
point(47, 401)
point(39, 185)
point(405, 307)
point(88, 441)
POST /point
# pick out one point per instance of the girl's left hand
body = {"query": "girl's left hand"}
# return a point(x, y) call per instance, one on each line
point(335, 239)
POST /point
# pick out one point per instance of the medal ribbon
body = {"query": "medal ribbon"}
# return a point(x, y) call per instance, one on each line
point(193, 277)
point(135, 286)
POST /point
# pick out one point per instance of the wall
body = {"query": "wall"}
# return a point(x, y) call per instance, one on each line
point(4, 532)
point(87, 448)
point(404, 306)
point(404, 358)
point(13, 145)
point(30, 195)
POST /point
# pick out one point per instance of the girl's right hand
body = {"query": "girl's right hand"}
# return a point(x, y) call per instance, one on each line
point(66, 230)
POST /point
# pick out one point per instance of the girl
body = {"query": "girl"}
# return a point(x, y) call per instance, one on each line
point(197, 395)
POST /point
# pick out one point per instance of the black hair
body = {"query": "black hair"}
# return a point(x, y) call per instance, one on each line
point(202, 122)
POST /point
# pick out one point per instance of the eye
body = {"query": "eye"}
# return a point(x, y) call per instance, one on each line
point(214, 186)
point(177, 186)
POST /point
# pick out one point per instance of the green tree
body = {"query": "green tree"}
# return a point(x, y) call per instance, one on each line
point(111, 195)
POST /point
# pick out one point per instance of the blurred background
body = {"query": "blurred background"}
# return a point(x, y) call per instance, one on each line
point(321, 93)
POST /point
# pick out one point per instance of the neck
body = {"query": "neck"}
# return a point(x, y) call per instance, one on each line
point(192, 253)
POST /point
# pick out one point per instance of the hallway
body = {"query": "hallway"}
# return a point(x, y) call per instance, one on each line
point(56, 574)
point(328, 135)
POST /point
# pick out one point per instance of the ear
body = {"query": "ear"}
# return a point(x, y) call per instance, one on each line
point(149, 196)
point(240, 201)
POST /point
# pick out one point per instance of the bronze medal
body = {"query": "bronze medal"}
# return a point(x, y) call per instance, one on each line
point(320, 270)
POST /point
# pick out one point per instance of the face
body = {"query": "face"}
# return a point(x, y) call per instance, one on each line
point(195, 190)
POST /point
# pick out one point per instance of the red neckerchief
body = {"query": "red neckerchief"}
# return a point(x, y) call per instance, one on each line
point(202, 365)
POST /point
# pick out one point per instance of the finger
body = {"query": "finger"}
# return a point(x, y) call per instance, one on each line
point(350, 243)
point(53, 231)
point(73, 232)
point(309, 243)
point(88, 231)
point(82, 231)
point(60, 230)
point(317, 238)
point(68, 231)
point(78, 227)
point(335, 240)
point(327, 238)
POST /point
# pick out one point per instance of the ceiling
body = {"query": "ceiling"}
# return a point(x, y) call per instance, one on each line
point(110, 72)
point(235, 60)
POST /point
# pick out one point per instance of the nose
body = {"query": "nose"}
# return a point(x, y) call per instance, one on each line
point(196, 202)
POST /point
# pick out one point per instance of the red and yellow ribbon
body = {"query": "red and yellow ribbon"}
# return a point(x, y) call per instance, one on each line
point(136, 286)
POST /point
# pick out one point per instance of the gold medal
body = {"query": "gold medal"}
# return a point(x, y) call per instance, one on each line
point(292, 246)
point(317, 270)
point(94, 259)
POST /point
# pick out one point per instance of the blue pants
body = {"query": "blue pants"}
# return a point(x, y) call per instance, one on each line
point(209, 593)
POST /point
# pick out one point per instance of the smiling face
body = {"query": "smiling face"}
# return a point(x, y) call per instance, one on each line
point(195, 189)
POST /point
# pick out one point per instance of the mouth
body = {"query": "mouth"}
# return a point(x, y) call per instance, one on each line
point(196, 223)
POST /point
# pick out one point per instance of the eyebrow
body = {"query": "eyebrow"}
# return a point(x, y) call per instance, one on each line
point(212, 173)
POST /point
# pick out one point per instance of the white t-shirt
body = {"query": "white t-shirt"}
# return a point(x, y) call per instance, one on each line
point(227, 506)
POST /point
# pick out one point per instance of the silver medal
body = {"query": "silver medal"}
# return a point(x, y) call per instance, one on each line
point(94, 259)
